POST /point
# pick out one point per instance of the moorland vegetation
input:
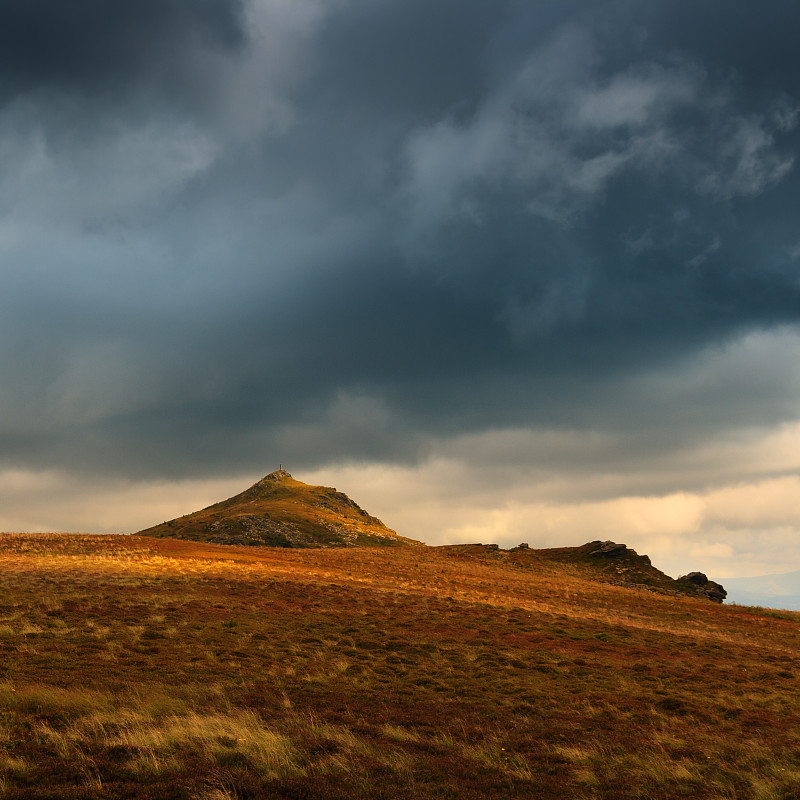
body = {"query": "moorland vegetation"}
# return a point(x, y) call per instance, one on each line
point(138, 667)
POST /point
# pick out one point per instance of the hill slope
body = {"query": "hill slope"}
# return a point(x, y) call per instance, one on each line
point(178, 670)
point(280, 511)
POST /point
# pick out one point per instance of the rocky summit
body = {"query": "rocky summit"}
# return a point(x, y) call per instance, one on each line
point(279, 511)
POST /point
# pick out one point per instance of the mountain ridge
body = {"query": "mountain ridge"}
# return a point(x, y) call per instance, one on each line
point(280, 511)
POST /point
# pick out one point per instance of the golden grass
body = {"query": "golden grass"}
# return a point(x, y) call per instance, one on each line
point(136, 667)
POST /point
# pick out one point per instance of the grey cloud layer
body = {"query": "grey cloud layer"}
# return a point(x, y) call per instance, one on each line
point(343, 230)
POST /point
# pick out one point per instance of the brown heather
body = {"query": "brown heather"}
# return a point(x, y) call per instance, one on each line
point(165, 669)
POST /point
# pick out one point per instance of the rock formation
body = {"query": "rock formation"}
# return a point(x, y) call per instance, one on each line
point(618, 563)
point(702, 585)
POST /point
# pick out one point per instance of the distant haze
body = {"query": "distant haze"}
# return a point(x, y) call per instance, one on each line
point(500, 271)
point(770, 591)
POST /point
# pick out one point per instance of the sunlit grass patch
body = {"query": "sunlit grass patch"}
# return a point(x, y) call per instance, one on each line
point(238, 738)
point(64, 741)
point(399, 733)
point(343, 738)
point(576, 755)
point(13, 768)
point(148, 764)
point(217, 793)
point(492, 752)
point(54, 703)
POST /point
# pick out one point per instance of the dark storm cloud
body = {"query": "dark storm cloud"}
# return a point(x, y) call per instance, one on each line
point(396, 220)
point(91, 44)
point(759, 47)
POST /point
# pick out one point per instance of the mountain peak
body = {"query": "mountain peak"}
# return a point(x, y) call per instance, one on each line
point(275, 481)
point(281, 511)
point(276, 476)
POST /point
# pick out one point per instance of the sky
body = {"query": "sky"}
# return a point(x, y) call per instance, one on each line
point(501, 270)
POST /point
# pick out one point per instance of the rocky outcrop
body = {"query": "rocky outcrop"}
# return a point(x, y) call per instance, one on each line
point(617, 563)
point(703, 586)
point(611, 549)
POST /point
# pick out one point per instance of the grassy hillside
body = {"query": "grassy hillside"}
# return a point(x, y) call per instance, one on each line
point(280, 511)
point(137, 667)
